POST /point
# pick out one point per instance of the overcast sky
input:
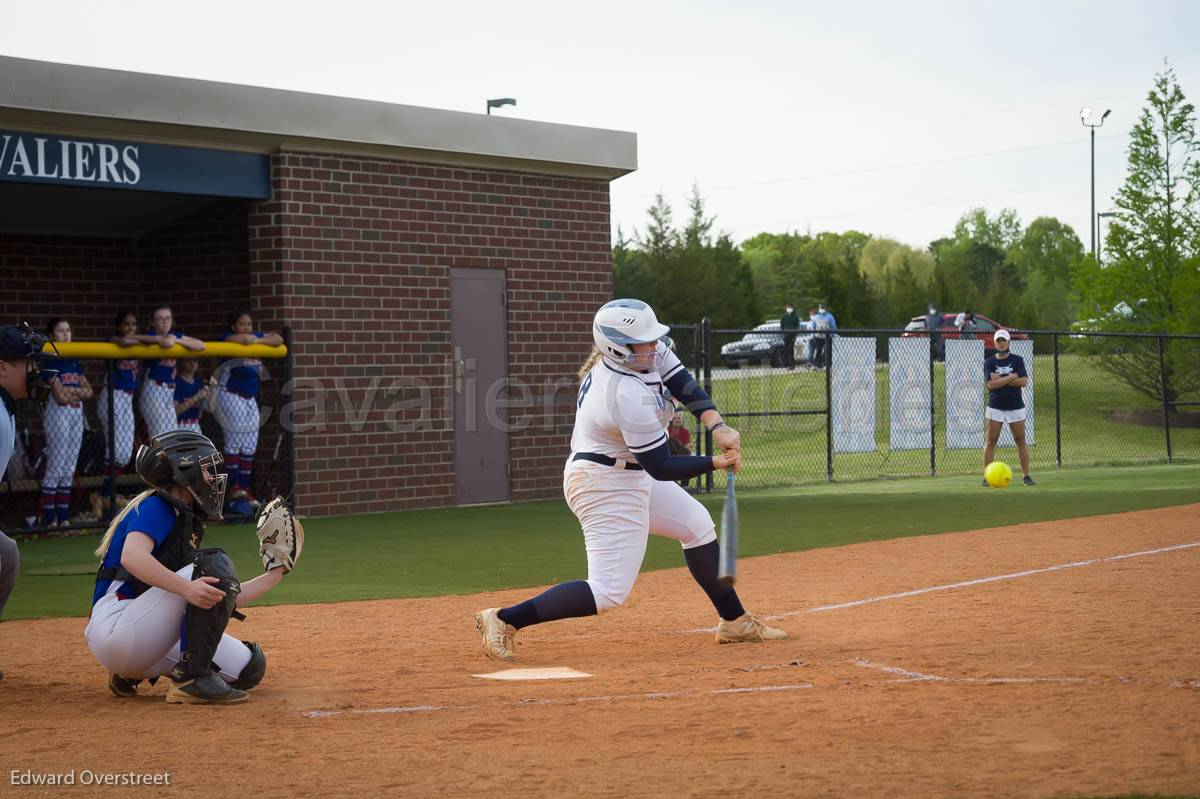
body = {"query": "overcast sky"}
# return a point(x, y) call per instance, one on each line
point(890, 118)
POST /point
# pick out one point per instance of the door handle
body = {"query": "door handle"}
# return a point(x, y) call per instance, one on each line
point(459, 370)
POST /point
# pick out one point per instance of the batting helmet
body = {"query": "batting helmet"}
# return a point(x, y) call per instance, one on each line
point(623, 322)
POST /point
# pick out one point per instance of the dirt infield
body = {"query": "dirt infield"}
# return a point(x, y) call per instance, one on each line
point(1074, 671)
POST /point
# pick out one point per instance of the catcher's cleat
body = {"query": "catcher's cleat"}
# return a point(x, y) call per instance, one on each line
point(747, 628)
point(207, 689)
point(122, 686)
point(497, 635)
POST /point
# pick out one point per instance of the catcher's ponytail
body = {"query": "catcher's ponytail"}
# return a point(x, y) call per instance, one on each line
point(105, 542)
point(592, 360)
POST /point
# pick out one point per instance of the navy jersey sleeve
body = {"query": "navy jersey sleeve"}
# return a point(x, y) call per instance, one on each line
point(660, 464)
point(1019, 366)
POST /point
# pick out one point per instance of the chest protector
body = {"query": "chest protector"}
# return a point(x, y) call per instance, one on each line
point(177, 551)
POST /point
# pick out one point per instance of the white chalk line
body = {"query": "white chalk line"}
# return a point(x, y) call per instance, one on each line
point(966, 583)
point(917, 676)
point(653, 695)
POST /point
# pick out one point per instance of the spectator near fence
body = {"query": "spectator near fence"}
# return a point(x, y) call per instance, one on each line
point(789, 323)
point(966, 324)
point(191, 394)
point(126, 378)
point(933, 323)
point(157, 402)
point(62, 422)
point(824, 324)
point(237, 409)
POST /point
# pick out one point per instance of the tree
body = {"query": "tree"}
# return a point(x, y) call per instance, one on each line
point(1153, 248)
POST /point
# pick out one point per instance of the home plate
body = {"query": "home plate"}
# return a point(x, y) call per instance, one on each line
point(556, 673)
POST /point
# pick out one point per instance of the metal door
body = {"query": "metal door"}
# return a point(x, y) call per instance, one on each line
point(480, 373)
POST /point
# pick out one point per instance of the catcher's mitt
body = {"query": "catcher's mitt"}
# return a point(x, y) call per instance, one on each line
point(280, 536)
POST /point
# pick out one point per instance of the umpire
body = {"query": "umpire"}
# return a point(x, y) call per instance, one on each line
point(20, 351)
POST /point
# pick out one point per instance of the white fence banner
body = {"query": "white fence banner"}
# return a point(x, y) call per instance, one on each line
point(910, 393)
point(1025, 350)
point(966, 394)
point(853, 394)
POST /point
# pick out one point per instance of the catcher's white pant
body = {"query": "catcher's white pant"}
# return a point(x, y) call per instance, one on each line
point(123, 433)
point(64, 434)
point(618, 509)
point(157, 404)
point(140, 637)
point(238, 416)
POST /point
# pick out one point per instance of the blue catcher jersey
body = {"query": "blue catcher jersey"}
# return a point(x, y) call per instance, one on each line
point(152, 516)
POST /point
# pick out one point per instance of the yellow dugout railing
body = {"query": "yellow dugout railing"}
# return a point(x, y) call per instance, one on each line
point(212, 349)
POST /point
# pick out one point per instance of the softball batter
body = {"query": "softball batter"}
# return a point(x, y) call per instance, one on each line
point(237, 404)
point(62, 421)
point(126, 378)
point(618, 482)
point(160, 605)
point(157, 402)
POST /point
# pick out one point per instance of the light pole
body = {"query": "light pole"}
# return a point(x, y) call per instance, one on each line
point(500, 102)
point(1099, 238)
point(1084, 115)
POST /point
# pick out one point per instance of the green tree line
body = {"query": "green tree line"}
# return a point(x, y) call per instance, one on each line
point(1034, 276)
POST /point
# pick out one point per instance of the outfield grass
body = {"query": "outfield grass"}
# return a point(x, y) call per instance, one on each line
point(791, 449)
point(464, 550)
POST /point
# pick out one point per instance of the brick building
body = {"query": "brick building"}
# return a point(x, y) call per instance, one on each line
point(437, 269)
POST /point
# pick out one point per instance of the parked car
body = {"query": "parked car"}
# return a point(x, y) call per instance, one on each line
point(764, 345)
point(985, 328)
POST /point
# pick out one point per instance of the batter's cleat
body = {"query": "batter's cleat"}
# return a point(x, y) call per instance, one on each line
point(747, 628)
point(122, 686)
point(497, 635)
point(207, 689)
point(1028, 481)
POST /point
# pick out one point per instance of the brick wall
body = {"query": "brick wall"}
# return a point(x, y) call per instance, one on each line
point(198, 265)
point(355, 254)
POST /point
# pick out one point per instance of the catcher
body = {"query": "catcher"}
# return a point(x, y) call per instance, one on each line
point(161, 604)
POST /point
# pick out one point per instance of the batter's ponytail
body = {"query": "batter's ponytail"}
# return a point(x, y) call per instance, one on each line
point(102, 550)
point(592, 360)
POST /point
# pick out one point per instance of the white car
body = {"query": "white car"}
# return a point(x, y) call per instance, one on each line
point(764, 345)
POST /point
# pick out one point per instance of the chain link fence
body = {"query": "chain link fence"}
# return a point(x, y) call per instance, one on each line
point(870, 404)
point(72, 465)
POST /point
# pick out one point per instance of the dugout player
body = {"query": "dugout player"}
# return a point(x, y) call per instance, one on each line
point(126, 378)
point(619, 478)
point(157, 402)
point(20, 377)
point(160, 605)
point(237, 407)
point(1006, 375)
point(191, 394)
point(62, 421)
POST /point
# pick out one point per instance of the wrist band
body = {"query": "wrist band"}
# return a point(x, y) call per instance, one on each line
point(717, 426)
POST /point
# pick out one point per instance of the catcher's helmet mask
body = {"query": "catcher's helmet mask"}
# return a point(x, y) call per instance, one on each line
point(190, 460)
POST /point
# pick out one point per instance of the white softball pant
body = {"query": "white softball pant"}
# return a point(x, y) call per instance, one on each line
point(64, 434)
point(123, 433)
point(618, 509)
point(157, 404)
point(238, 416)
point(139, 637)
